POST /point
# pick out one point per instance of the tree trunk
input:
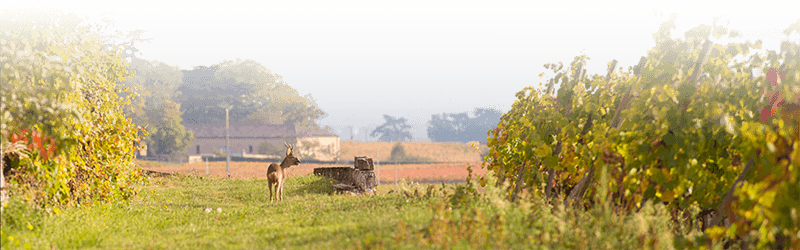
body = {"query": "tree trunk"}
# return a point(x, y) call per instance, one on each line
point(578, 190)
point(725, 205)
point(551, 173)
point(519, 181)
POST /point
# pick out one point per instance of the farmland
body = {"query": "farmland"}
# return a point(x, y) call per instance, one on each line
point(425, 173)
point(424, 151)
point(449, 162)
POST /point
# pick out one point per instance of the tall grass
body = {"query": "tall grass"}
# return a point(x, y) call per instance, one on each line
point(195, 212)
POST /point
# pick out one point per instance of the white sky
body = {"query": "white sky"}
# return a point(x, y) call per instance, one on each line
point(363, 59)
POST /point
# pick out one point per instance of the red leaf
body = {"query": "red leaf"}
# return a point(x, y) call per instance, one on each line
point(765, 114)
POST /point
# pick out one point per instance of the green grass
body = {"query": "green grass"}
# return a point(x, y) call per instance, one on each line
point(170, 213)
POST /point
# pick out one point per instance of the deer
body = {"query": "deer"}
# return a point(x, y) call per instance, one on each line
point(276, 175)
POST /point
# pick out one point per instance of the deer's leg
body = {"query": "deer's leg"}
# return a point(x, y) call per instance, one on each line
point(282, 182)
point(280, 198)
point(270, 191)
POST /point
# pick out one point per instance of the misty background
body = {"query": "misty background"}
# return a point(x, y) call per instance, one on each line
point(434, 64)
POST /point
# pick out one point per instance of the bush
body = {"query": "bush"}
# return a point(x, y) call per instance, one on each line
point(268, 149)
point(62, 102)
point(398, 152)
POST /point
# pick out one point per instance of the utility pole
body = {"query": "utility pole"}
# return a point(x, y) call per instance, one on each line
point(227, 144)
point(378, 165)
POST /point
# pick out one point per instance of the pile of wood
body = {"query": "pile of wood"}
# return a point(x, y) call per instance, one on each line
point(360, 179)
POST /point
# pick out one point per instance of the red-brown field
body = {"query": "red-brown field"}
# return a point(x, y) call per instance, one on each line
point(429, 173)
point(432, 151)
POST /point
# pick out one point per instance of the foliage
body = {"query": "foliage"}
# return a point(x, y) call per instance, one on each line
point(60, 98)
point(469, 218)
point(398, 153)
point(167, 135)
point(310, 149)
point(461, 127)
point(678, 128)
point(394, 129)
point(220, 153)
point(257, 96)
point(306, 149)
point(268, 149)
point(153, 83)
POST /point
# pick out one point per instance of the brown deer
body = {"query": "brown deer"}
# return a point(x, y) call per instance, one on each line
point(276, 175)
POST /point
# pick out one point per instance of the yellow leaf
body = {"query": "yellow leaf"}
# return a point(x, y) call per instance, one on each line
point(668, 196)
point(715, 233)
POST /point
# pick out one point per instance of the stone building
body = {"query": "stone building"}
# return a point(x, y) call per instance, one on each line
point(311, 143)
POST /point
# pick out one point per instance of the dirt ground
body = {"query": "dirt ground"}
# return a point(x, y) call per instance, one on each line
point(423, 173)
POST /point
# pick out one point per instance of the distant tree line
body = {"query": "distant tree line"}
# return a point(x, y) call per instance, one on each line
point(461, 127)
point(455, 127)
point(168, 98)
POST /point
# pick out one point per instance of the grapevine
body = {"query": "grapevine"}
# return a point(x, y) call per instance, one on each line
point(687, 126)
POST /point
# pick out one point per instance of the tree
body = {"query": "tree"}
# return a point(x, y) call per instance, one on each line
point(168, 136)
point(461, 127)
point(257, 95)
point(394, 129)
point(268, 149)
point(398, 153)
point(153, 82)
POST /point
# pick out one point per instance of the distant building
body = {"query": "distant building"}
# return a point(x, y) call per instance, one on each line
point(244, 140)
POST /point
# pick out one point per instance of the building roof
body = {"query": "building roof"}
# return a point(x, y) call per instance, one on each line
point(266, 131)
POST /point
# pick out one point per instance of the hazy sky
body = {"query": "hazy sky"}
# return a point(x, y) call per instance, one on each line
point(363, 59)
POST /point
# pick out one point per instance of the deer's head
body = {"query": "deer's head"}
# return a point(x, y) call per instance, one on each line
point(290, 158)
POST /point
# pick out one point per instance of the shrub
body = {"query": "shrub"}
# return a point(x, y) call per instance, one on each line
point(61, 99)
